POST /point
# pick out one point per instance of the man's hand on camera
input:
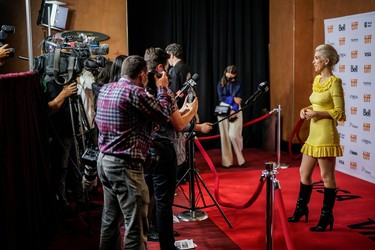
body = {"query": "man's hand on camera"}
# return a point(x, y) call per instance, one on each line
point(4, 51)
point(162, 81)
point(70, 89)
point(87, 185)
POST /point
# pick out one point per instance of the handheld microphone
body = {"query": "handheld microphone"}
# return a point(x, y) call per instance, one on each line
point(189, 83)
point(262, 88)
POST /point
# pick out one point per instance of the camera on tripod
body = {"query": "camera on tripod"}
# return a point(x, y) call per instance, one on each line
point(65, 58)
point(4, 31)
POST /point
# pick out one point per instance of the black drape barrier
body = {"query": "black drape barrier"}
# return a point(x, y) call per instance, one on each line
point(28, 214)
point(214, 34)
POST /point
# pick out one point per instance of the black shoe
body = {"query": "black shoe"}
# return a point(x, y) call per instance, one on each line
point(175, 234)
point(153, 236)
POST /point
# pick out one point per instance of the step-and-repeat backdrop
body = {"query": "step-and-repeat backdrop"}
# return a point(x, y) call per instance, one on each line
point(354, 38)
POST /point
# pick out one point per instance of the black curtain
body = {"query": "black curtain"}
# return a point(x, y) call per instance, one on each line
point(214, 34)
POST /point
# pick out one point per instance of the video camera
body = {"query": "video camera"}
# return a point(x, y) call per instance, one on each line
point(65, 58)
point(4, 31)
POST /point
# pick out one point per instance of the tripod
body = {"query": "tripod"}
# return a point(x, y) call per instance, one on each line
point(76, 107)
point(193, 213)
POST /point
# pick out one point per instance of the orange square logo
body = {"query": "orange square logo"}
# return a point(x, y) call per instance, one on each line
point(366, 155)
point(368, 39)
point(354, 54)
point(366, 127)
point(354, 82)
point(353, 110)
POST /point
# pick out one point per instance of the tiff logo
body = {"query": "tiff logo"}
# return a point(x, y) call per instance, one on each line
point(353, 82)
point(341, 68)
point(367, 97)
point(342, 41)
point(353, 138)
point(353, 110)
point(353, 165)
point(367, 68)
point(354, 54)
point(366, 127)
point(368, 38)
point(354, 25)
point(330, 28)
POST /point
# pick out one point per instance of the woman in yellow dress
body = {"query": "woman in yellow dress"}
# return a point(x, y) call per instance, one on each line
point(323, 143)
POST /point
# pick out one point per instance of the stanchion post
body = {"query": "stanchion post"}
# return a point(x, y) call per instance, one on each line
point(279, 164)
point(269, 173)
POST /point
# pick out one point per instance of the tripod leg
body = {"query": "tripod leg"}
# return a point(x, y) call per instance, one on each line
point(213, 199)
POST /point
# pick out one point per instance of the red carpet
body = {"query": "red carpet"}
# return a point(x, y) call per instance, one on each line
point(355, 204)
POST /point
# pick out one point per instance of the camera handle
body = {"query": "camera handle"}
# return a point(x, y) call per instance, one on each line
point(56, 67)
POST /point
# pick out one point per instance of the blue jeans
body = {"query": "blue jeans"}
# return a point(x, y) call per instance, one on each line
point(125, 194)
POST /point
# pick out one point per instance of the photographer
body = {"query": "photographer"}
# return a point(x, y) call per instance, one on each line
point(4, 53)
point(161, 174)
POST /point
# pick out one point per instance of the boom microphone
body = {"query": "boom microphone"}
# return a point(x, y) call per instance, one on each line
point(262, 88)
point(189, 83)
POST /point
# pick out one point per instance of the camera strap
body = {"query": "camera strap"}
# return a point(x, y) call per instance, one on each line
point(56, 66)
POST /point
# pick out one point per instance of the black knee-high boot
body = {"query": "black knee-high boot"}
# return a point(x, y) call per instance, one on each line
point(326, 216)
point(302, 201)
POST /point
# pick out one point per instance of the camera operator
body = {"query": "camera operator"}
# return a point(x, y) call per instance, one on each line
point(4, 53)
point(61, 136)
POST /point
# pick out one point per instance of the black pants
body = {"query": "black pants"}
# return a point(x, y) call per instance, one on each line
point(161, 180)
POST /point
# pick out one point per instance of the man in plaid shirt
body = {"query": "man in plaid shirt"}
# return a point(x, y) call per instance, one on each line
point(124, 118)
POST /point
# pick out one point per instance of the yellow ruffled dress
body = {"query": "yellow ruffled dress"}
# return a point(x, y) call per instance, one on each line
point(323, 139)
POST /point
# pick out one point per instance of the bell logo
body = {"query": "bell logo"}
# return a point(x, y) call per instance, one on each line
point(368, 39)
point(366, 127)
point(330, 28)
point(353, 138)
point(341, 27)
point(367, 68)
point(353, 82)
point(354, 25)
point(341, 68)
point(367, 112)
point(366, 155)
point(354, 54)
point(342, 41)
point(353, 110)
point(367, 97)
point(353, 165)
point(353, 68)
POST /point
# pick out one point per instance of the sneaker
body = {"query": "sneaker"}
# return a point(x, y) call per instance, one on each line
point(153, 236)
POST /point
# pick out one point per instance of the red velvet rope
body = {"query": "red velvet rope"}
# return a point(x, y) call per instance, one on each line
point(295, 131)
point(284, 224)
point(216, 187)
point(205, 138)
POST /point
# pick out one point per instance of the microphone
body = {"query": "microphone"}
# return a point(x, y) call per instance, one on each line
point(262, 88)
point(189, 83)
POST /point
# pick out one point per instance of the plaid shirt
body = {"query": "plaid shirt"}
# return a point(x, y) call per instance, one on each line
point(125, 114)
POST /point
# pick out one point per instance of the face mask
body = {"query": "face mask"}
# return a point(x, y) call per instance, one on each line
point(231, 79)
